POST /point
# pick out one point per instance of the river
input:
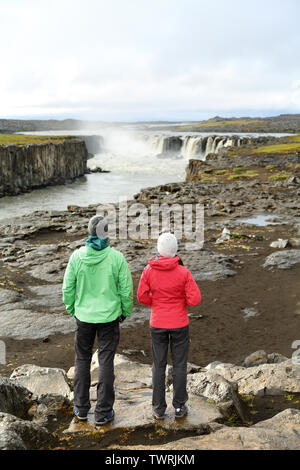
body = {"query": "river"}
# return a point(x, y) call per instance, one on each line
point(130, 154)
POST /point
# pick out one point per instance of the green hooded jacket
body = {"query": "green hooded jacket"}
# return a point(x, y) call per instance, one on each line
point(97, 286)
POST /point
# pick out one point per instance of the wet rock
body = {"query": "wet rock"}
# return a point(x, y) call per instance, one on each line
point(278, 433)
point(14, 398)
point(49, 408)
point(17, 434)
point(42, 380)
point(34, 325)
point(239, 439)
point(133, 411)
point(282, 259)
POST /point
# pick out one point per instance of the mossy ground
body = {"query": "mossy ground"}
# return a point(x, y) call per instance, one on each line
point(263, 173)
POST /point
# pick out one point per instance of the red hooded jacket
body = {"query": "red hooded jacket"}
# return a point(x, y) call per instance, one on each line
point(168, 288)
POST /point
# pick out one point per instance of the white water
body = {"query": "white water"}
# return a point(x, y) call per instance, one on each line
point(131, 154)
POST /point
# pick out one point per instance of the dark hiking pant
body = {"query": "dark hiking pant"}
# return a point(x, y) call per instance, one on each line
point(108, 335)
point(179, 340)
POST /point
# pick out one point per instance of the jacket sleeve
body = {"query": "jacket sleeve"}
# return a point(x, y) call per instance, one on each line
point(143, 293)
point(125, 288)
point(69, 287)
point(192, 291)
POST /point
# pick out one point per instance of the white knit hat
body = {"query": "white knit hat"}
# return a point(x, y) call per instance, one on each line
point(167, 245)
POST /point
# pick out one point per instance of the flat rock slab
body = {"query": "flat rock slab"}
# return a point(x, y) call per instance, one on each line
point(48, 297)
point(8, 296)
point(209, 266)
point(134, 411)
point(48, 271)
point(24, 324)
point(282, 259)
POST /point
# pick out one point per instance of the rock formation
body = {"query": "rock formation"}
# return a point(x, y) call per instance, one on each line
point(25, 167)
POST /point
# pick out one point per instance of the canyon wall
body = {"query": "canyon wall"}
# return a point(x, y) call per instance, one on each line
point(25, 167)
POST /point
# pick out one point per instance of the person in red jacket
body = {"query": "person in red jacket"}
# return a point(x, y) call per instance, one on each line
point(168, 287)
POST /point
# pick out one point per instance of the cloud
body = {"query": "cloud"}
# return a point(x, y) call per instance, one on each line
point(148, 60)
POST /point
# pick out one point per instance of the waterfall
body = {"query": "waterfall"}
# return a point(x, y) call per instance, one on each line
point(168, 145)
point(192, 147)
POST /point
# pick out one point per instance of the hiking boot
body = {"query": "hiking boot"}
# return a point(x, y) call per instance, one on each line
point(181, 411)
point(82, 416)
point(106, 419)
point(158, 415)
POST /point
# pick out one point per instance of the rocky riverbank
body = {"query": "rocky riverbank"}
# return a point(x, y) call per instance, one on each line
point(248, 271)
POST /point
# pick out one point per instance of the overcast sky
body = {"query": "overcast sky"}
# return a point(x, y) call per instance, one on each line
point(122, 60)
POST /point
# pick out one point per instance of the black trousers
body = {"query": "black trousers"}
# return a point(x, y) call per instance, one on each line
point(108, 335)
point(179, 340)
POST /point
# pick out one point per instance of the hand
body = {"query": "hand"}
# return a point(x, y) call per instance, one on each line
point(122, 318)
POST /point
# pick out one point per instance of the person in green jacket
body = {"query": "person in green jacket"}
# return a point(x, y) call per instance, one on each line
point(97, 291)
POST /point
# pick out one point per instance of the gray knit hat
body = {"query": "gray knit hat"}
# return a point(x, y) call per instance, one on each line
point(98, 226)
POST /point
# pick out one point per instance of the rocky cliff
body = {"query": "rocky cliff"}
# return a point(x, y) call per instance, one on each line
point(25, 167)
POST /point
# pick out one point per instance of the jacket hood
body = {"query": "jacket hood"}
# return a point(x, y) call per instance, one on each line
point(164, 263)
point(90, 256)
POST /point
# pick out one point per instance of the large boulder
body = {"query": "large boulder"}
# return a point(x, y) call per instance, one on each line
point(42, 380)
point(213, 386)
point(14, 398)
point(265, 379)
point(17, 434)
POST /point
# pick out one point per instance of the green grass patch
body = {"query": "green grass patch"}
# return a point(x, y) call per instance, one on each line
point(18, 139)
point(206, 177)
point(245, 175)
point(270, 167)
point(280, 176)
point(279, 148)
point(238, 169)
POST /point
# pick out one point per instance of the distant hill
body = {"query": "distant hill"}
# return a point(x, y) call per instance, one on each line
point(282, 123)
